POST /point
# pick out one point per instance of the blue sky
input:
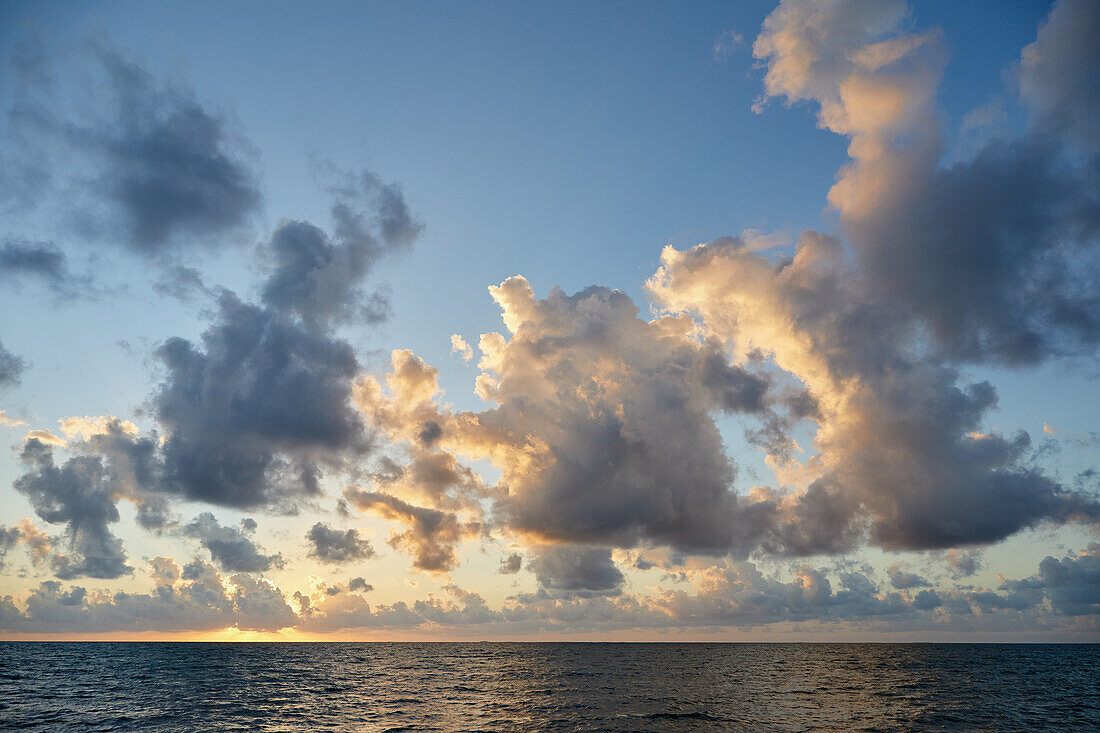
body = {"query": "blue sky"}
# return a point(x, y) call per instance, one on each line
point(567, 143)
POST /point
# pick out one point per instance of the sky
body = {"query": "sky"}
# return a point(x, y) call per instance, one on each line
point(735, 321)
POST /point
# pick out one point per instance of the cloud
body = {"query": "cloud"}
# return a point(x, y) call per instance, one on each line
point(898, 434)
point(230, 548)
point(201, 600)
point(252, 415)
point(261, 406)
point(902, 579)
point(570, 570)
point(320, 279)
point(511, 564)
point(10, 422)
point(87, 427)
point(1058, 72)
point(602, 424)
point(1071, 583)
point(430, 535)
point(718, 596)
point(77, 494)
point(993, 255)
point(46, 437)
point(359, 584)
point(726, 44)
point(164, 570)
point(183, 283)
point(11, 368)
point(252, 411)
point(333, 546)
point(143, 161)
point(109, 462)
point(20, 260)
point(460, 347)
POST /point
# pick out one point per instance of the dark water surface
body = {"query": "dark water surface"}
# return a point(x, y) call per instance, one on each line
point(528, 687)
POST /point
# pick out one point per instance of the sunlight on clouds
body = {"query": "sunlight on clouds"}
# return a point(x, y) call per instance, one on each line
point(460, 347)
point(10, 422)
point(84, 428)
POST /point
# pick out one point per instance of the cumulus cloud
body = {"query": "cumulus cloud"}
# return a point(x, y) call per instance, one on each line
point(898, 433)
point(45, 437)
point(258, 408)
point(200, 600)
point(8, 421)
point(511, 564)
point(230, 548)
point(460, 347)
point(333, 546)
point(1071, 583)
point(430, 535)
point(252, 410)
point(995, 255)
point(87, 427)
point(319, 278)
point(79, 495)
point(359, 584)
point(571, 570)
point(603, 423)
point(722, 595)
point(142, 161)
point(252, 415)
point(164, 570)
point(109, 462)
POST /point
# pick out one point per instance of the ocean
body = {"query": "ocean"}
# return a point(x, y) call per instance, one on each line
point(549, 686)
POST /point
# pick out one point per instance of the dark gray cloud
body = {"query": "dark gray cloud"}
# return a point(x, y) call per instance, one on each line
point(603, 424)
point(22, 260)
point(333, 546)
point(902, 579)
point(261, 407)
point(11, 368)
point(142, 161)
point(988, 260)
point(230, 548)
point(604, 427)
point(1071, 583)
point(996, 255)
point(359, 584)
point(964, 563)
point(78, 494)
point(8, 537)
point(1057, 600)
point(511, 564)
point(252, 411)
point(903, 455)
point(319, 278)
point(573, 570)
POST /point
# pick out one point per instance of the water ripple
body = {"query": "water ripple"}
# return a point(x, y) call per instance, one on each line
point(554, 687)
